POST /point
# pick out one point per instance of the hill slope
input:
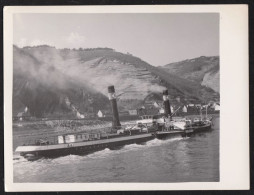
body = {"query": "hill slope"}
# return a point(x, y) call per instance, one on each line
point(46, 79)
point(204, 70)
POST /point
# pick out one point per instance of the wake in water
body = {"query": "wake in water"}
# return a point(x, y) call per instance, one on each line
point(158, 142)
point(132, 147)
point(25, 169)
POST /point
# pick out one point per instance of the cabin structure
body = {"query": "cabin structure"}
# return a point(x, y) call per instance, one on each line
point(63, 139)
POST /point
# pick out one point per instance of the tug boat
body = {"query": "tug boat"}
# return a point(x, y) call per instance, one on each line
point(201, 125)
point(182, 127)
point(169, 126)
point(166, 127)
point(178, 127)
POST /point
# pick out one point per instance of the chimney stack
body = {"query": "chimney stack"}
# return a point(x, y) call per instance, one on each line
point(112, 98)
point(166, 103)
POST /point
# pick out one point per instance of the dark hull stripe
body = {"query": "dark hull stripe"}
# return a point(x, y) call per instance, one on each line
point(83, 150)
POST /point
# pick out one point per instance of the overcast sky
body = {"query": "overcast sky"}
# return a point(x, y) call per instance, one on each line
point(158, 39)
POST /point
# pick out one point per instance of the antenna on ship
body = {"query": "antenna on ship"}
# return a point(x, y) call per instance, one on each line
point(112, 98)
point(166, 103)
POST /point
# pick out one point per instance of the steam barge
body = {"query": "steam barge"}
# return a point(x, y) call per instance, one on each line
point(150, 127)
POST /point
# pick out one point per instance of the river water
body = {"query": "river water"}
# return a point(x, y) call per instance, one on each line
point(174, 160)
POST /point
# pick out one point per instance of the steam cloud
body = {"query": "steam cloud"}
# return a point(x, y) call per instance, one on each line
point(49, 67)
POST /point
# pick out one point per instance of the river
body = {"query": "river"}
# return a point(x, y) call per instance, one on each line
point(194, 159)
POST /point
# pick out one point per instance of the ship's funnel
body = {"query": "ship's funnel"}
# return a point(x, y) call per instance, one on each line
point(166, 103)
point(112, 98)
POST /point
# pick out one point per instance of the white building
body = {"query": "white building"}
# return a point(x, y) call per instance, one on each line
point(217, 107)
point(184, 109)
point(78, 115)
point(100, 114)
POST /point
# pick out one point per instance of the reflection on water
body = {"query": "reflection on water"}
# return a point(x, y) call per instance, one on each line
point(173, 160)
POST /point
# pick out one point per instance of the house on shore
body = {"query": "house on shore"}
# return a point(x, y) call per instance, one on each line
point(100, 114)
point(216, 107)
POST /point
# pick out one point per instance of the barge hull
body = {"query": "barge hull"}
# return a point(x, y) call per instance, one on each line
point(85, 148)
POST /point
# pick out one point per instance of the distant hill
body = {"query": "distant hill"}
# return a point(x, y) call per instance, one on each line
point(204, 70)
point(52, 81)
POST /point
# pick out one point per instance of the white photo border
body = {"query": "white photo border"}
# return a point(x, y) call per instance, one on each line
point(234, 98)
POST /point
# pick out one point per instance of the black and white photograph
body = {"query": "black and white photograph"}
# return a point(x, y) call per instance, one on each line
point(116, 97)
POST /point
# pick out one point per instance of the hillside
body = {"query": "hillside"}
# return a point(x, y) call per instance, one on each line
point(204, 70)
point(52, 81)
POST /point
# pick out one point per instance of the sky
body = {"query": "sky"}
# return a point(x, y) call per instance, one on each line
point(157, 38)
